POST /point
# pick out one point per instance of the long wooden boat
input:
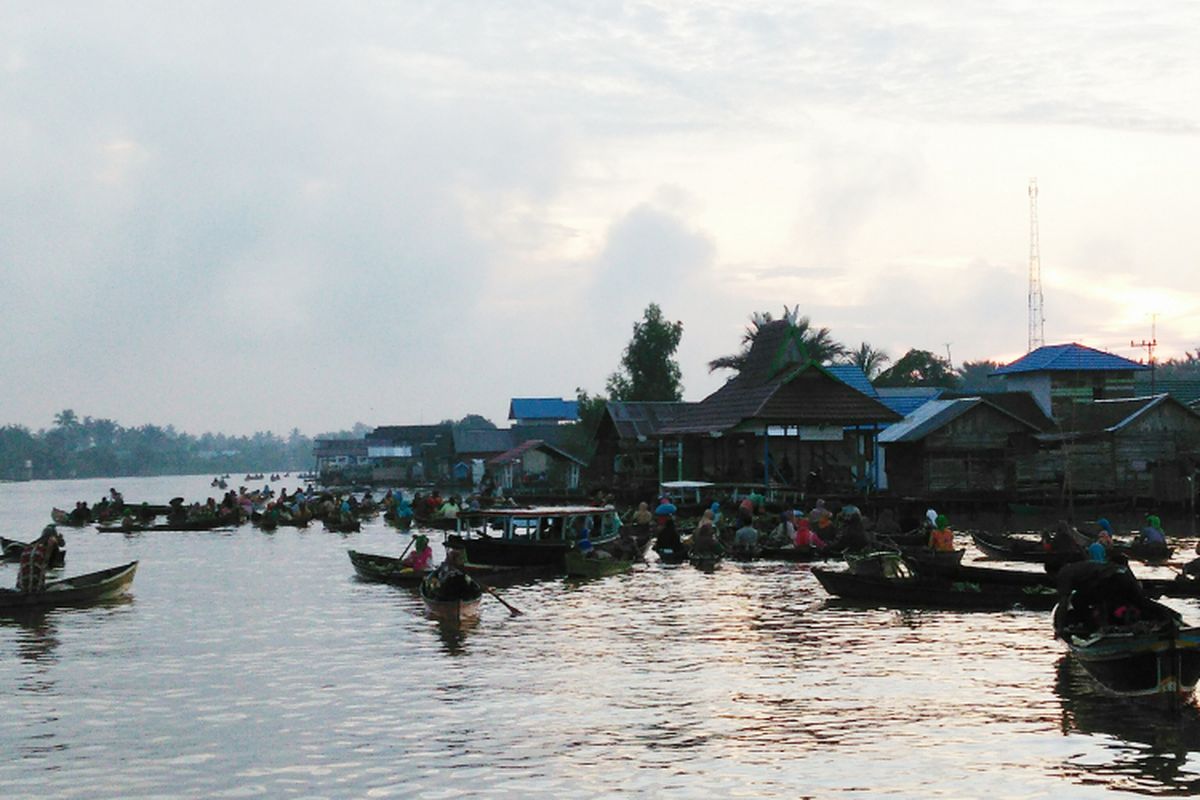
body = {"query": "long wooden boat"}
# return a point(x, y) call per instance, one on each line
point(918, 591)
point(1015, 548)
point(80, 590)
point(385, 569)
point(1129, 644)
point(539, 536)
point(183, 525)
point(579, 565)
point(61, 517)
point(343, 526)
point(11, 549)
point(454, 603)
point(1160, 658)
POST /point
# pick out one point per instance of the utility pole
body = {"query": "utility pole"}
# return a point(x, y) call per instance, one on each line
point(949, 360)
point(1149, 346)
point(1037, 320)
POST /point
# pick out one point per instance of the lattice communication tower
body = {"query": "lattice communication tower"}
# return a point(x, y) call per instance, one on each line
point(1037, 322)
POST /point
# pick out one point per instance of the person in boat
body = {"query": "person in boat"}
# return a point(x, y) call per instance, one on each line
point(81, 514)
point(1152, 532)
point(1094, 595)
point(1064, 541)
point(715, 511)
point(783, 534)
point(667, 537)
point(626, 547)
point(36, 559)
point(421, 556)
point(450, 508)
point(941, 538)
point(450, 580)
point(745, 512)
point(745, 539)
point(1098, 550)
point(807, 538)
point(704, 540)
point(853, 536)
point(820, 517)
point(642, 516)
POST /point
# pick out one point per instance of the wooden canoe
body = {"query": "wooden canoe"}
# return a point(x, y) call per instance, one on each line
point(61, 517)
point(385, 569)
point(916, 591)
point(11, 551)
point(80, 590)
point(1015, 548)
point(456, 602)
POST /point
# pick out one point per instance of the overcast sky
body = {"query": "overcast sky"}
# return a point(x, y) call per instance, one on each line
point(249, 216)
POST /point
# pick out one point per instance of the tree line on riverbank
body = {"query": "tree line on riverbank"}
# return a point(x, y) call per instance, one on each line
point(88, 447)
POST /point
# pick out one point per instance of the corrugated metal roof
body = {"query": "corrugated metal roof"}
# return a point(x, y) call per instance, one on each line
point(1071, 357)
point(927, 418)
point(533, 444)
point(852, 375)
point(906, 399)
point(642, 419)
point(543, 408)
point(483, 441)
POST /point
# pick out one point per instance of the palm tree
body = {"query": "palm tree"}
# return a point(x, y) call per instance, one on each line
point(66, 419)
point(869, 360)
point(819, 342)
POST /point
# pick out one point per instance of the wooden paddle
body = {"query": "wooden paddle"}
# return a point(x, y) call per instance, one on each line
point(512, 609)
point(398, 565)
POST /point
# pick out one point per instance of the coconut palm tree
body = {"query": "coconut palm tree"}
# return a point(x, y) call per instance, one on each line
point(869, 360)
point(819, 342)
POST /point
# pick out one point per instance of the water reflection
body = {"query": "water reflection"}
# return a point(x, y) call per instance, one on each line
point(38, 639)
point(453, 635)
point(1143, 745)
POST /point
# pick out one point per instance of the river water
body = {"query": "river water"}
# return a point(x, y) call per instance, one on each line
point(251, 664)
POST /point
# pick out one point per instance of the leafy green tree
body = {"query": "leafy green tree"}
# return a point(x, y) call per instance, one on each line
point(648, 371)
point(973, 375)
point(66, 419)
point(919, 368)
point(475, 422)
point(869, 360)
point(819, 342)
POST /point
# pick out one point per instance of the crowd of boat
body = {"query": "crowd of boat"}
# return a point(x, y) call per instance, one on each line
point(1111, 620)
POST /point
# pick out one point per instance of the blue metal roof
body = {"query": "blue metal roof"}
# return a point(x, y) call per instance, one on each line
point(550, 408)
point(906, 399)
point(1069, 358)
point(853, 376)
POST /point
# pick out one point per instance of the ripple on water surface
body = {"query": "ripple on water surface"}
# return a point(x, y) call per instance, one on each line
point(255, 665)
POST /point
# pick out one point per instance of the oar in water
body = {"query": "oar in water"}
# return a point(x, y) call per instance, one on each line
point(512, 609)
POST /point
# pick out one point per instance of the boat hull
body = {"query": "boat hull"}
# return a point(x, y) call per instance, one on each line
point(510, 553)
point(456, 603)
point(1137, 664)
point(80, 590)
point(385, 569)
point(918, 592)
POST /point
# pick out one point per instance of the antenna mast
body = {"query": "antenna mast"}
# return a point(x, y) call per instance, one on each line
point(1150, 345)
point(1037, 322)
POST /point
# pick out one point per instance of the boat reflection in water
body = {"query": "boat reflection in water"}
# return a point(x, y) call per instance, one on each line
point(1144, 745)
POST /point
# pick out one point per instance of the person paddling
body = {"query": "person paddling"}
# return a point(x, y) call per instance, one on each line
point(421, 556)
point(36, 559)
